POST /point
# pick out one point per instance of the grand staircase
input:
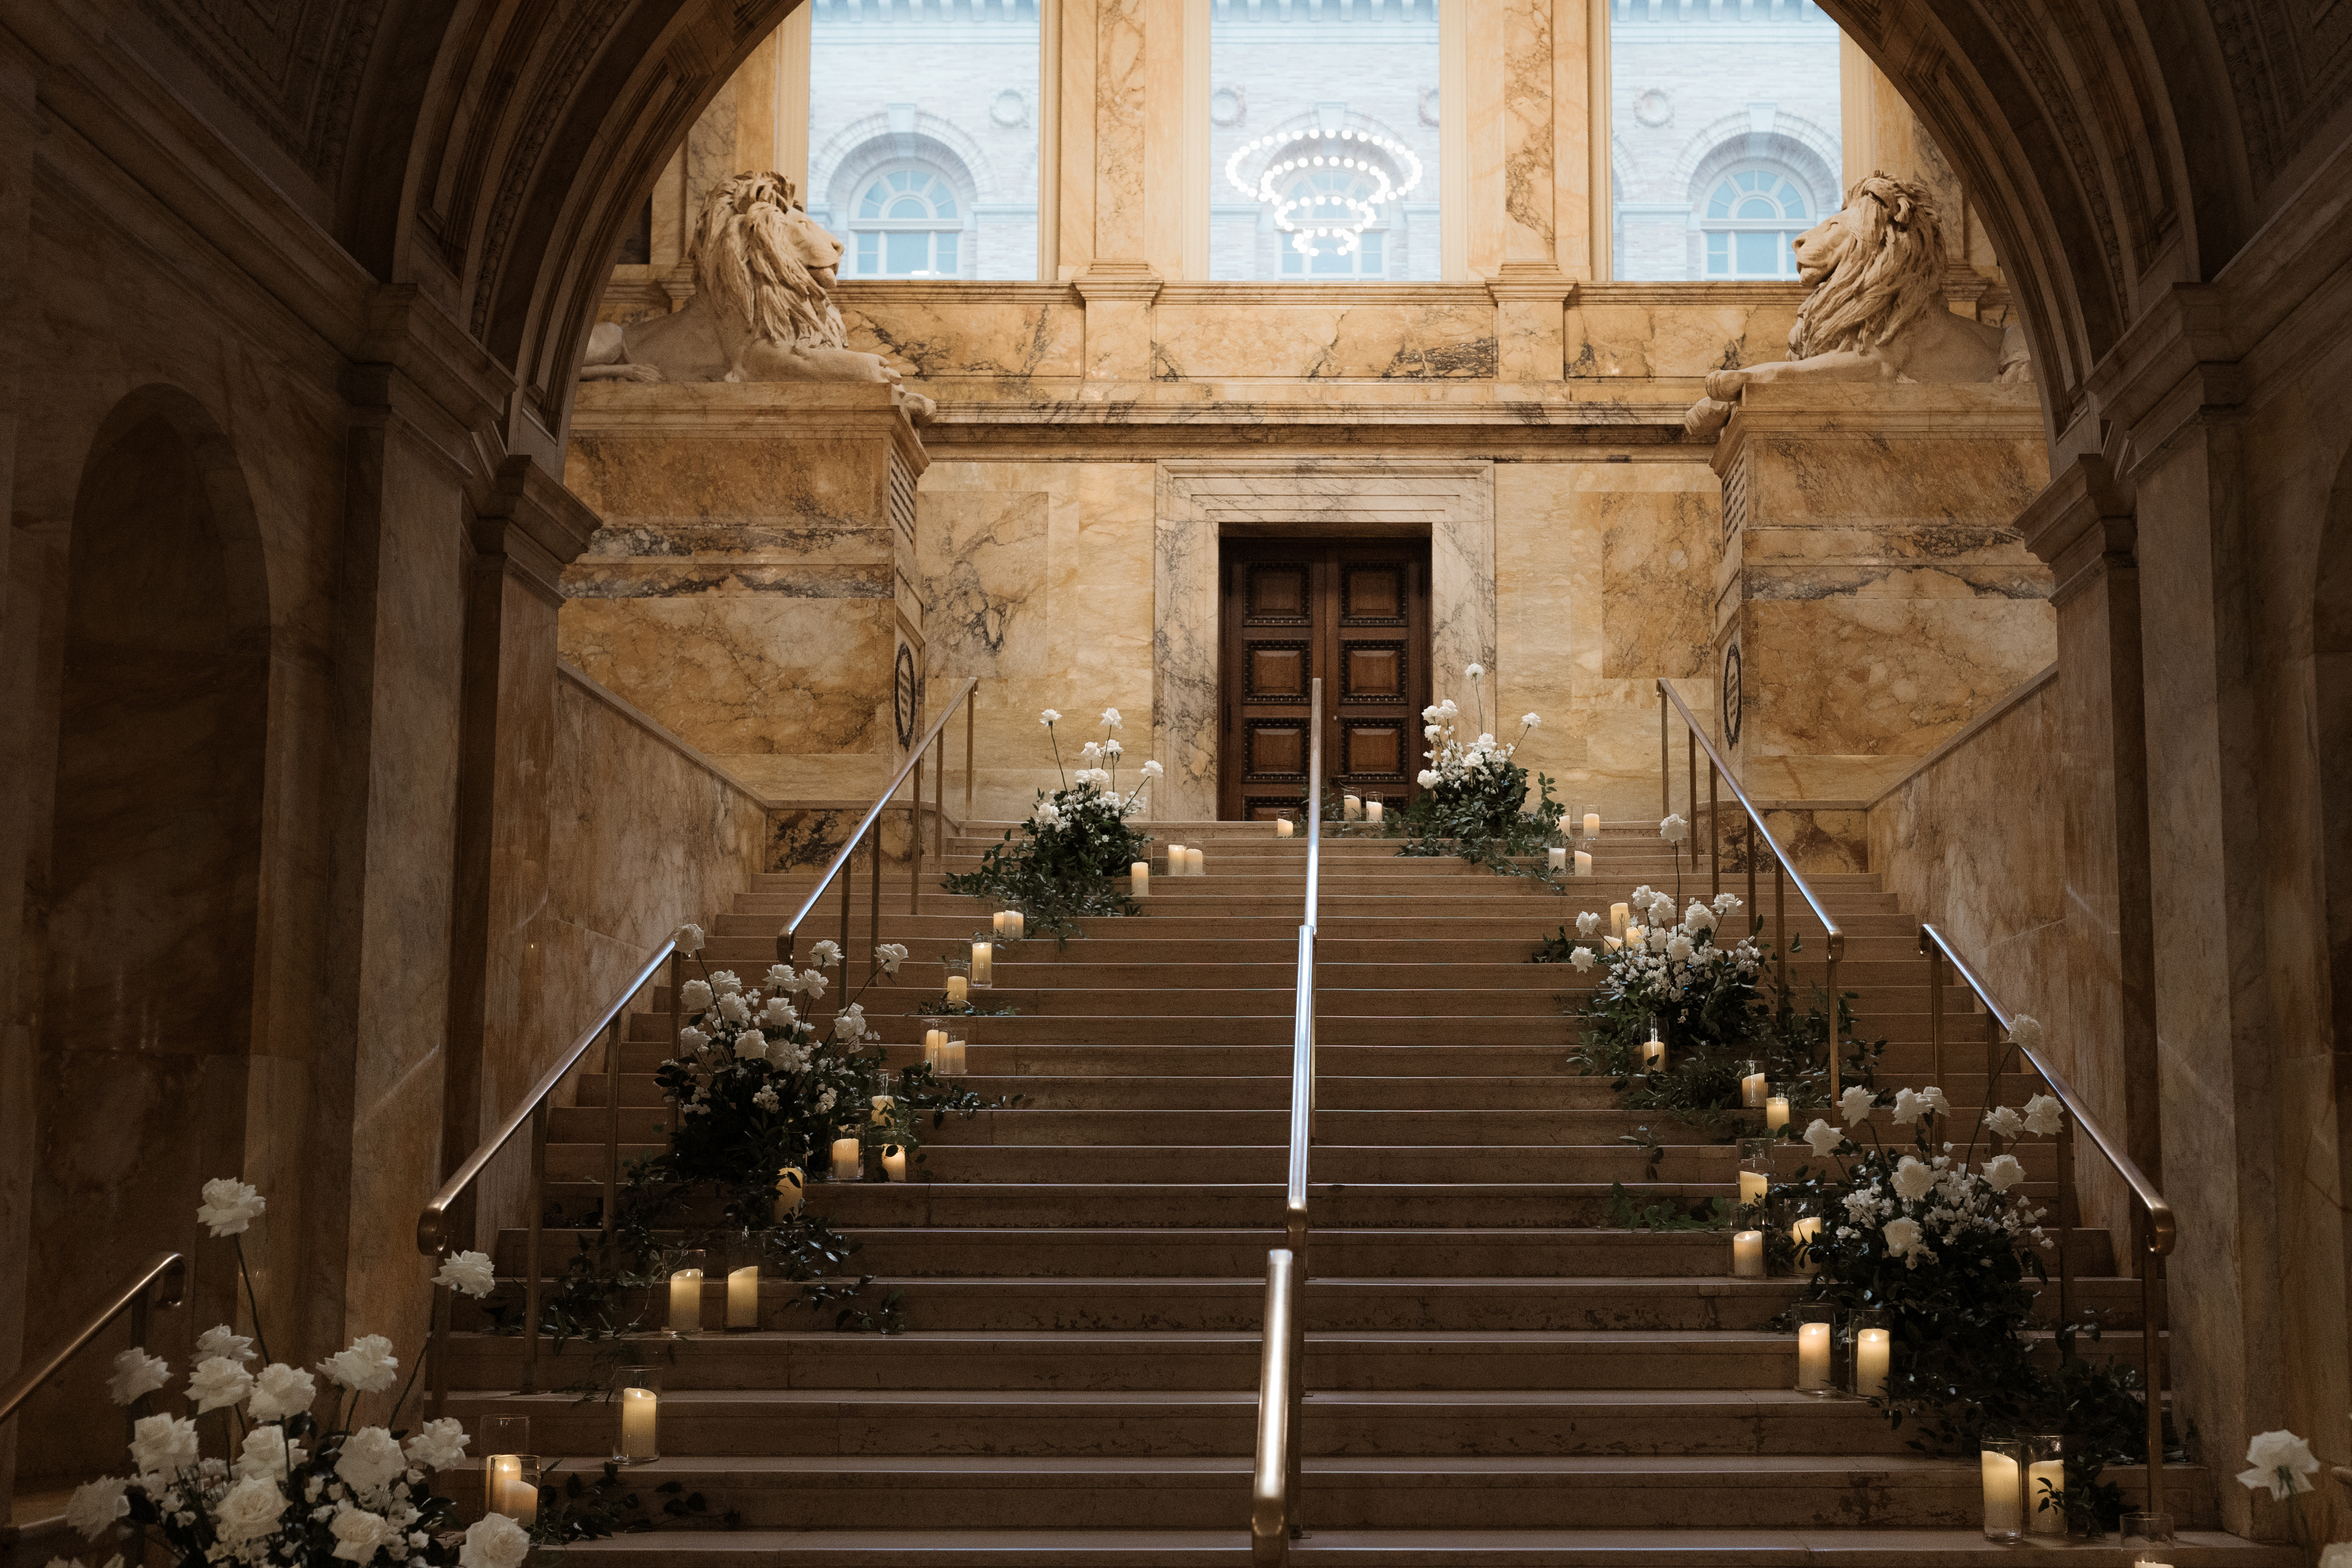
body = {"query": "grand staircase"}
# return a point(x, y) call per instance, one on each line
point(1496, 1371)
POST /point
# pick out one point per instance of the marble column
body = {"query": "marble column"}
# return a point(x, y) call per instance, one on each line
point(753, 582)
point(2083, 527)
point(525, 528)
point(1872, 584)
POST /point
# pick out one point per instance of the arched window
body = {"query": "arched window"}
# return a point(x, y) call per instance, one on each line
point(1332, 198)
point(907, 225)
point(1751, 221)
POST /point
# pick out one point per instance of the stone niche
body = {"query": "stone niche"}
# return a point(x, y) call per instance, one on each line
point(752, 587)
point(1874, 596)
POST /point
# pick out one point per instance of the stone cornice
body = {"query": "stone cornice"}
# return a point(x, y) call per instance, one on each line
point(750, 410)
point(526, 515)
point(407, 328)
point(2081, 524)
point(1129, 282)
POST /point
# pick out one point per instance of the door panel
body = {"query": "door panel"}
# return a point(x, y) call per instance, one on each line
point(1354, 611)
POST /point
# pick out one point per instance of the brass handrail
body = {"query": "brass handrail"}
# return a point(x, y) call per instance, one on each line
point(435, 1231)
point(131, 1298)
point(964, 698)
point(1275, 1487)
point(1717, 768)
point(2162, 1231)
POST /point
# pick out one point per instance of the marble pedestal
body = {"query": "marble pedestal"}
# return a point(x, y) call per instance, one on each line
point(1873, 595)
point(752, 585)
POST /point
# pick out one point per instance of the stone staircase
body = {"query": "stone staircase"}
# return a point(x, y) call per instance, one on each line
point(1495, 1374)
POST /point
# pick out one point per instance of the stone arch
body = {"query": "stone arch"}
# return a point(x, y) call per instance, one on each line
point(154, 865)
point(859, 148)
point(1793, 141)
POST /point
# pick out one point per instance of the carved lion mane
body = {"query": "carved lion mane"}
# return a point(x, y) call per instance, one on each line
point(1888, 267)
point(746, 256)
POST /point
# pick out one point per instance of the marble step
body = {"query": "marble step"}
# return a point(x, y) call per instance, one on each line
point(1368, 1492)
point(1192, 1091)
point(1391, 1305)
point(727, 1423)
point(1226, 1546)
point(1182, 940)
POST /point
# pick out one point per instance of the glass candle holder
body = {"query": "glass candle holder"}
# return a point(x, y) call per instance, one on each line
point(791, 1187)
point(1869, 1349)
point(1653, 1051)
point(2003, 1463)
point(511, 1487)
point(744, 1256)
point(1802, 1236)
point(1376, 806)
point(892, 1158)
point(1755, 1171)
point(935, 1041)
point(686, 1296)
point(1590, 822)
point(636, 1401)
point(1748, 1255)
point(1776, 1111)
point(1754, 1088)
point(504, 1442)
point(1285, 823)
point(2148, 1539)
point(1556, 853)
point(2046, 1485)
point(983, 960)
point(1817, 1348)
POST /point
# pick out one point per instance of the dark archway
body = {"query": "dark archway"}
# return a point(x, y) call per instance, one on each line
point(153, 882)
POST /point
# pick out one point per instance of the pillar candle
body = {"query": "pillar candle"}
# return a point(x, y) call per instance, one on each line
point(1175, 860)
point(1139, 878)
point(955, 1058)
point(1353, 805)
point(1633, 936)
point(1593, 825)
point(1776, 1111)
point(640, 1412)
point(1620, 917)
point(983, 963)
point(791, 1186)
point(1748, 1255)
point(1653, 1054)
point(1752, 1089)
point(505, 1484)
point(844, 1159)
point(1282, 827)
point(893, 1163)
point(1753, 1185)
point(881, 1108)
point(686, 1302)
point(2040, 1520)
point(743, 1298)
point(997, 922)
point(1195, 863)
point(2001, 1508)
point(1870, 1353)
point(1558, 858)
point(1805, 1233)
point(1584, 863)
point(1813, 1357)
point(1372, 810)
point(1020, 925)
point(1614, 944)
point(959, 988)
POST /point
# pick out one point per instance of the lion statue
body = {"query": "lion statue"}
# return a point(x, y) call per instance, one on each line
point(1877, 311)
point(762, 307)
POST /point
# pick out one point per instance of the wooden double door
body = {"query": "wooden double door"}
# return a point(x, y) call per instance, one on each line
point(1353, 612)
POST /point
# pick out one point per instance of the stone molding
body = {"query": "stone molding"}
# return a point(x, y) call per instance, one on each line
point(527, 516)
point(765, 410)
point(2081, 524)
point(1197, 502)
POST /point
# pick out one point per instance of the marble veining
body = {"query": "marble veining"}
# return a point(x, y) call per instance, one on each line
point(985, 570)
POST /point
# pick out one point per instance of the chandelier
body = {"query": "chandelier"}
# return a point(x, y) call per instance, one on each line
point(1315, 214)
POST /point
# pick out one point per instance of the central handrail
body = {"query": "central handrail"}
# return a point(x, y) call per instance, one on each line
point(131, 1298)
point(1275, 1489)
point(963, 699)
point(2163, 1229)
point(435, 1230)
point(1783, 868)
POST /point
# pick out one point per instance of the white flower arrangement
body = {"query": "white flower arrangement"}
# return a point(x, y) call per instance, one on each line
point(303, 1491)
point(1673, 962)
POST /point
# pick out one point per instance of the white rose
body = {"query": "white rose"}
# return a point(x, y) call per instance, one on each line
point(2026, 1032)
point(827, 955)
point(223, 1340)
point(1113, 749)
point(2281, 1461)
point(1112, 721)
point(1049, 718)
point(2003, 1121)
point(359, 1534)
point(1673, 829)
point(691, 1040)
point(248, 1510)
point(694, 996)
point(780, 975)
point(1678, 948)
point(1914, 1179)
point(162, 1445)
point(281, 1391)
point(468, 1273)
point(889, 956)
point(1586, 923)
point(813, 985)
point(732, 1008)
point(849, 1023)
point(1823, 1137)
point(1936, 1101)
point(1426, 779)
point(368, 1365)
point(497, 1541)
point(229, 1206)
point(2002, 1172)
point(750, 1046)
point(98, 1504)
point(725, 982)
point(1908, 1107)
point(1474, 671)
point(779, 1014)
point(136, 1373)
point(1581, 959)
point(689, 938)
point(1152, 770)
point(218, 1383)
point(371, 1460)
point(1903, 1236)
point(264, 1453)
point(2044, 1115)
point(1089, 752)
point(1531, 720)
point(1854, 1104)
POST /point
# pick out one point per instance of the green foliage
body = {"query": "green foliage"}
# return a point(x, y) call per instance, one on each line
point(1713, 1214)
point(582, 1510)
point(1070, 861)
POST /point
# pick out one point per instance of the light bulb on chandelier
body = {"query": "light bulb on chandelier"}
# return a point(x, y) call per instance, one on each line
point(1287, 152)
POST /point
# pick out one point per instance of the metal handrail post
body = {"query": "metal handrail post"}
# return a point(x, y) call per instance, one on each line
point(1690, 759)
point(1935, 1006)
point(940, 804)
point(2065, 1222)
point(915, 842)
point(849, 881)
point(874, 925)
point(1837, 1054)
point(2152, 1340)
point(1781, 919)
point(530, 1265)
point(1714, 828)
point(439, 1351)
point(970, 701)
point(1665, 760)
point(670, 1112)
point(611, 1131)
